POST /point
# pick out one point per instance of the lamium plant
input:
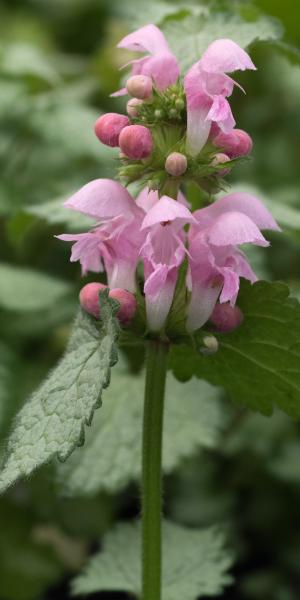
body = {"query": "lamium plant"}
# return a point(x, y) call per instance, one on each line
point(172, 270)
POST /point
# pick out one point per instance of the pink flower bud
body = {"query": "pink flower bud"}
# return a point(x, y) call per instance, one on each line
point(226, 317)
point(236, 143)
point(219, 159)
point(89, 298)
point(136, 141)
point(139, 86)
point(127, 303)
point(176, 164)
point(132, 107)
point(108, 128)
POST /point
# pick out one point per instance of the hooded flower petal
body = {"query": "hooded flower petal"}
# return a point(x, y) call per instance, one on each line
point(160, 64)
point(234, 228)
point(225, 56)
point(103, 199)
point(86, 249)
point(165, 211)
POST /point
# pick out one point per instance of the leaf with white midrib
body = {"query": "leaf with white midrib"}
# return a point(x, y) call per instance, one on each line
point(52, 422)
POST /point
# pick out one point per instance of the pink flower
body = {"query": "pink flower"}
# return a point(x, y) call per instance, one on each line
point(159, 63)
point(235, 143)
point(216, 264)
point(207, 87)
point(163, 252)
point(115, 241)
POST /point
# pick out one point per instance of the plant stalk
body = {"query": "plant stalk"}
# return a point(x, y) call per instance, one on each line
point(157, 355)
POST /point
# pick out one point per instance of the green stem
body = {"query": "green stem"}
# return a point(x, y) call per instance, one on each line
point(157, 354)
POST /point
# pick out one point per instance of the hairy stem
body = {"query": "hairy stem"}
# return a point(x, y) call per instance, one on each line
point(157, 354)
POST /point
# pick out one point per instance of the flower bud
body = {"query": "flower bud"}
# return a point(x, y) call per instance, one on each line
point(219, 159)
point(139, 86)
point(136, 141)
point(236, 143)
point(108, 128)
point(210, 345)
point(127, 303)
point(176, 164)
point(132, 107)
point(226, 317)
point(89, 298)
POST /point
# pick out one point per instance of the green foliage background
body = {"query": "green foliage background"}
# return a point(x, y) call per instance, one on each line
point(58, 65)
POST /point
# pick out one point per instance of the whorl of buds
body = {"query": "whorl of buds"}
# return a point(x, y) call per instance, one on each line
point(226, 317)
point(135, 141)
point(89, 301)
point(139, 86)
point(108, 128)
point(132, 107)
point(219, 159)
point(176, 164)
point(236, 143)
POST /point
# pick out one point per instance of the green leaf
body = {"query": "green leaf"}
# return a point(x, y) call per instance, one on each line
point(111, 456)
point(20, 59)
point(156, 12)
point(189, 37)
point(52, 422)
point(24, 289)
point(195, 563)
point(27, 567)
point(8, 386)
point(258, 363)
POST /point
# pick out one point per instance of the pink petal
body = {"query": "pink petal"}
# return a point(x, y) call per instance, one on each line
point(198, 128)
point(147, 198)
point(158, 304)
point(163, 68)
point(225, 56)
point(167, 210)
point(239, 202)
point(231, 286)
point(221, 113)
point(102, 199)
point(146, 39)
point(203, 300)
point(121, 274)
point(234, 228)
point(86, 249)
point(121, 92)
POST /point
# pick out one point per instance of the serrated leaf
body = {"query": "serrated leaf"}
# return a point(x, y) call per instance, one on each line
point(111, 456)
point(189, 37)
point(52, 422)
point(195, 563)
point(258, 363)
point(24, 289)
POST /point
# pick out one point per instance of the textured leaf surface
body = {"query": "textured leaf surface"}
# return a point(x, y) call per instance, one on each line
point(52, 422)
point(258, 364)
point(189, 37)
point(25, 289)
point(195, 563)
point(111, 456)
point(8, 366)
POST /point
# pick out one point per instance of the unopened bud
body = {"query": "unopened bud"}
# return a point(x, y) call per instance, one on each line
point(108, 128)
point(132, 107)
point(236, 143)
point(210, 345)
point(180, 104)
point(127, 303)
point(173, 114)
point(158, 113)
point(176, 164)
point(136, 141)
point(219, 159)
point(139, 86)
point(226, 317)
point(89, 298)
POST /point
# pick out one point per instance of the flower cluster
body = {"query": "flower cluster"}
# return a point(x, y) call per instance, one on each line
point(175, 131)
